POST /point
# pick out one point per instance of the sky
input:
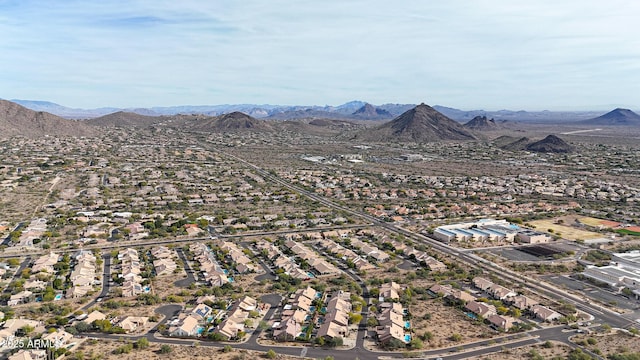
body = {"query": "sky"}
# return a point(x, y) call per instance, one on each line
point(467, 54)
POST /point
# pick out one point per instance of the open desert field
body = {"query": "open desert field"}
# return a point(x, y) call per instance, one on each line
point(107, 350)
point(608, 344)
point(566, 232)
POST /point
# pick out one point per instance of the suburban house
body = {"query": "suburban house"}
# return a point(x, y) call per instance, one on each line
point(500, 292)
point(386, 333)
point(443, 290)
point(502, 322)
point(482, 283)
point(481, 309)
point(461, 296)
point(389, 291)
point(544, 313)
point(59, 338)
point(188, 326)
point(522, 302)
point(131, 323)
point(287, 329)
point(330, 330)
point(20, 298)
point(45, 263)
point(93, 316)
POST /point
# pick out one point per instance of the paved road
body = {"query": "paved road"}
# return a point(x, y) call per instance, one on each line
point(594, 292)
point(187, 268)
point(152, 242)
point(7, 241)
point(23, 265)
point(106, 281)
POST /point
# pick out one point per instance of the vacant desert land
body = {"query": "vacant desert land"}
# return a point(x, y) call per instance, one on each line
point(616, 342)
point(566, 232)
point(105, 350)
point(549, 350)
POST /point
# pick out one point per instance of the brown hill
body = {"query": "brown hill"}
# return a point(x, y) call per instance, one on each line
point(511, 143)
point(420, 124)
point(232, 122)
point(16, 120)
point(550, 144)
point(482, 123)
point(124, 119)
point(368, 111)
point(616, 117)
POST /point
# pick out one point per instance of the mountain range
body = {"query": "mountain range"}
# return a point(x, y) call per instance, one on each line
point(420, 124)
point(284, 112)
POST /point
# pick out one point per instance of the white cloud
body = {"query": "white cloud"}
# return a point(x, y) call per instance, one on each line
point(489, 54)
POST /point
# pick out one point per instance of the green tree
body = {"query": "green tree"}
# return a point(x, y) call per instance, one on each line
point(142, 343)
point(271, 354)
point(165, 349)
point(354, 318)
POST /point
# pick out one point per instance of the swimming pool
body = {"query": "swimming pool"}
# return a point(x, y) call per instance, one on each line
point(407, 325)
point(407, 337)
point(58, 297)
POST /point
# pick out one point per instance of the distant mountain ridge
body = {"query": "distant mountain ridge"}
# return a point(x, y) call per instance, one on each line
point(283, 112)
point(482, 123)
point(616, 117)
point(368, 111)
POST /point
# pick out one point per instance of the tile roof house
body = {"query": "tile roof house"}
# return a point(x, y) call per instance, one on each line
point(389, 317)
point(201, 311)
point(287, 330)
point(502, 322)
point(330, 330)
point(545, 314)
point(386, 333)
point(462, 295)
point(500, 292)
point(338, 317)
point(389, 291)
point(29, 355)
point(131, 323)
point(20, 298)
point(482, 283)
point(59, 338)
point(45, 263)
point(93, 316)
point(522, 302)
point(188, 327)
point(441, 289)
point(229, 328)
point(481, 309)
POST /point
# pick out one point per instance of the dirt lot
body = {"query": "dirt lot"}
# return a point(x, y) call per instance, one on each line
point(566, 232)
point(549, 351)
point(445, 321)
point(104, 350)
point(611, 343)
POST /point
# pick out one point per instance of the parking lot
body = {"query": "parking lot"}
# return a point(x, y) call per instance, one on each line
point(593, 292)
